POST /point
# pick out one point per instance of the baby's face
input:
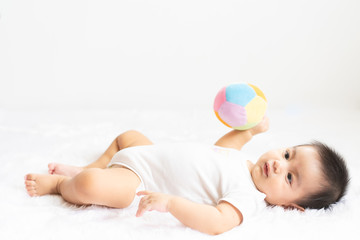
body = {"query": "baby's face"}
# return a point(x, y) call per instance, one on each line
point(287, 175)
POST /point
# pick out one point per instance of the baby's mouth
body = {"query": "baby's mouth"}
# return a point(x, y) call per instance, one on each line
point(266, 169)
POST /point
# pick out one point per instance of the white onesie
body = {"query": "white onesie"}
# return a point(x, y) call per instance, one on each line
point(201, 173)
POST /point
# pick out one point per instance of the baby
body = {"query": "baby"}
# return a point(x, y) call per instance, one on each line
point(208, 188)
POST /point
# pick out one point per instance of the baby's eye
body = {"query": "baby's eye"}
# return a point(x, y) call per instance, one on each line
point(289, 177)
point(287, 155)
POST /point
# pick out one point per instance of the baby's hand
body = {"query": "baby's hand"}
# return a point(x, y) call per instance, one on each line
point(263, 126)
point(152, 201)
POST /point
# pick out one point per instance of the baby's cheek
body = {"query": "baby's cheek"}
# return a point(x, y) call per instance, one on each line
point(273, 190)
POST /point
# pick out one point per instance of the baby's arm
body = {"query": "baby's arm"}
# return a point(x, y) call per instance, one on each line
point(238, 138)
point(205, 218)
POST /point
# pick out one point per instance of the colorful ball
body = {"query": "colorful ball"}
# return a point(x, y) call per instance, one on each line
point(240, 106)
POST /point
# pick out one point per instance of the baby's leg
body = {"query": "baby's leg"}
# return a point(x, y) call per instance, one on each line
point(127, 139)
point(112, 187)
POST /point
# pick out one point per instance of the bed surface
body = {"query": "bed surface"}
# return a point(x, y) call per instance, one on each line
point(31, 139)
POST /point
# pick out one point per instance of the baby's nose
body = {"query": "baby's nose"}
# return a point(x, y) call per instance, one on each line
point(277, 167)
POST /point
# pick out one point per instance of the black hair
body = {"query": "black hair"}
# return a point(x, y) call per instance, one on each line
point(335, 179)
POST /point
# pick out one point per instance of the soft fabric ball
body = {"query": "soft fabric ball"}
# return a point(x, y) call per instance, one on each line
point(240, 106)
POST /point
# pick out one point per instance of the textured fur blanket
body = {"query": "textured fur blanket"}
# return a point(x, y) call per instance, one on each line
point(29, 140)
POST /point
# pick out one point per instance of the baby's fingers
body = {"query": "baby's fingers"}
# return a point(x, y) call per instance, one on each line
point(143, 193)
point(143, 207)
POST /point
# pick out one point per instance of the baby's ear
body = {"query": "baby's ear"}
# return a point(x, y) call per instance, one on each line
point(293, 206)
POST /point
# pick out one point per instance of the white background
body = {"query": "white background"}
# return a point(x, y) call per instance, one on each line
point(113, 54)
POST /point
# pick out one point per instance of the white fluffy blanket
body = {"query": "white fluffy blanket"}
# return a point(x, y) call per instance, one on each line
point(29, 140)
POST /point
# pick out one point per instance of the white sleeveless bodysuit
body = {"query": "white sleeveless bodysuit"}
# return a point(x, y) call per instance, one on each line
point(201, 173)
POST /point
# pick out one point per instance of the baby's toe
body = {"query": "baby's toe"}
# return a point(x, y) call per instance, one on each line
point(31, 190)
point(30, 177)
point(51, 167)
point(29, 183)
point(32, 193)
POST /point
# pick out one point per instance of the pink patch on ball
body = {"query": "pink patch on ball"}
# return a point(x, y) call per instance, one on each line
point(232, 114)
point(220, 99)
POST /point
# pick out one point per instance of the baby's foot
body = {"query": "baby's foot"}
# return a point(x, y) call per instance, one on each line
point(39, 184)
point(62, 169)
